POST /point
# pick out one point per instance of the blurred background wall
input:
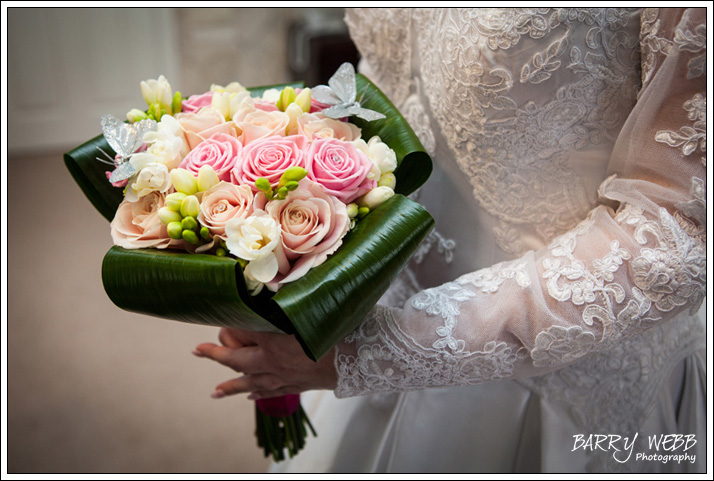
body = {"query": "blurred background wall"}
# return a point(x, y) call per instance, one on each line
point(91, 388)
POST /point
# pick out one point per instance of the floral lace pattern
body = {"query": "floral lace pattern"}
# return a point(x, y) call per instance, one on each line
point(670, 271)
point(512, 148)
point(390, 360)
point(690, 138)
point(385, 46)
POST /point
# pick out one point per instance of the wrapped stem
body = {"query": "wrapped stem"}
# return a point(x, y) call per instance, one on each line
point(281, 426)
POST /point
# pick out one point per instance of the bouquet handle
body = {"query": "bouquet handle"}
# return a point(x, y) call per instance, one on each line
point(281, 425)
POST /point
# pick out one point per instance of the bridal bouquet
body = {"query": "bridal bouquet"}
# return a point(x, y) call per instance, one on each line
point(277, 209)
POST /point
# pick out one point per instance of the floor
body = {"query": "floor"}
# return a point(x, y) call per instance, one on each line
point(91, 388)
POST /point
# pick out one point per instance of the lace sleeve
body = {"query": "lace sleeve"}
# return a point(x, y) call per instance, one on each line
point(637, 260)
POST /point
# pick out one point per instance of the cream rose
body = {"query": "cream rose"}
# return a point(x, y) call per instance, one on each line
point(313, 224)
point(136, 225)
point(261, 124)
point(318, 126)
point(223, 202)
point(203, 125)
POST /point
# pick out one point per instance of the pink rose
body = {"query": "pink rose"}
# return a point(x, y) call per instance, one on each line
point(220, 151)
point(340, 168)
point(269, 158)
point(313, 224)
point(316, 106)
point(260, 124)
point(265, 105)
point(136, 225)
point(204, 124)
point(195, 102)
point(223, 202)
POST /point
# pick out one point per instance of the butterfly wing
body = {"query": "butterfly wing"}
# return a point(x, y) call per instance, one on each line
point(337, 111)
point(367, 114)
point(343, 83)
point(125, 138)
point(122, 172)
point(324, 95)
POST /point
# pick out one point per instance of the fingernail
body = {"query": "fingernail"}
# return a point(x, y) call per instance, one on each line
point(218, 394)
point(197, 353)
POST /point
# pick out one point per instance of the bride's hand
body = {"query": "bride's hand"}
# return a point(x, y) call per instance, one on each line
point(272, 364)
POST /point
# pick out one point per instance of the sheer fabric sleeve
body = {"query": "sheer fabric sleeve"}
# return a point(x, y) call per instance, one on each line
point(637, 260)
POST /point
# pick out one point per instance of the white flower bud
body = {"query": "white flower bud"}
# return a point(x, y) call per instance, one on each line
point(184, 181)
point(375, 197)
point(207, 178)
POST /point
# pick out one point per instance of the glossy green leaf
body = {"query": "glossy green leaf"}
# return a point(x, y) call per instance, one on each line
point(89, 173)
point(414, 163)
point(195, 288)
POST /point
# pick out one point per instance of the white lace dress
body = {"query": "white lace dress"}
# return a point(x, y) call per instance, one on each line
point(560, 293)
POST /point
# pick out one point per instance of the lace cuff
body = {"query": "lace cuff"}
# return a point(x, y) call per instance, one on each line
point(381, 357)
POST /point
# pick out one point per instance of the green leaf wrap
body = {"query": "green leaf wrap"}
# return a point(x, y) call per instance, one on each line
point(320, 308)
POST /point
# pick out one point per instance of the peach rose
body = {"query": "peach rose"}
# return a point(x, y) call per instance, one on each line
point(223, 202)
point(204, 124)
point(313, 224)
point(261, 124)
point(340, 168)
point(136, 225)
point(319, 126)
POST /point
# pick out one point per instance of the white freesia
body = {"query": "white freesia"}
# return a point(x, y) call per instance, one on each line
point(254, 239)
point(293, 112)
point(271, 95)
point(151, 178)
point(383, 158)
point(388, 180)
point(375, 197)
point(167, 145)
point(157, 91)
point(233, 87)
point(233, 105)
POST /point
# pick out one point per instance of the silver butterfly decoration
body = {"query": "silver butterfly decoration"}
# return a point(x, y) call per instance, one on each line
point(341, 96)
point(125, 139)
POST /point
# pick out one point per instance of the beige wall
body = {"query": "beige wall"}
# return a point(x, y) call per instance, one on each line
point(68, 67)
point(92, 388)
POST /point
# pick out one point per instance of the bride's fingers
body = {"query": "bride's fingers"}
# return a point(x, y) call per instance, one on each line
point(229, 339)
point(245, 359)
point(245, 338)
point(248, 383)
